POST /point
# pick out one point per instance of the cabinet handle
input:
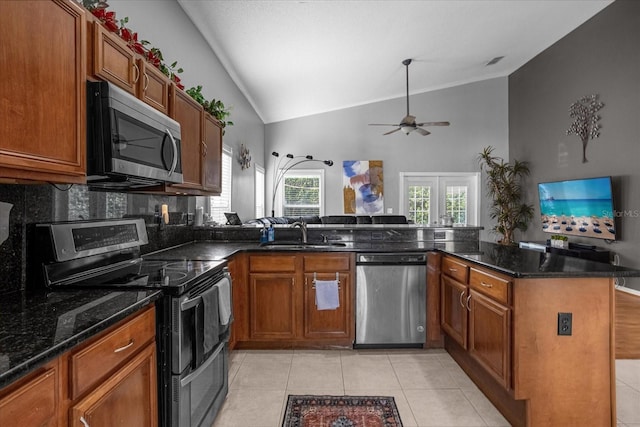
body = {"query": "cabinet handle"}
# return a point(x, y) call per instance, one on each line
point(123, 348)
point(204, 149)
point(486, 285)
point(453, 270)
point(137, 70)
point(462, 296)
point(146, 82)
point(84, 422)
point(468, 299)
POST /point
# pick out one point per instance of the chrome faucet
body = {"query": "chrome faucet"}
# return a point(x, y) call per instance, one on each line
point(303, 229)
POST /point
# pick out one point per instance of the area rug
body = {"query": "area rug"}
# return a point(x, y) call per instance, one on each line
point(341, 411)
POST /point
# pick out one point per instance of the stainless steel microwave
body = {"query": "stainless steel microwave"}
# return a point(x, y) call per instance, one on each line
point(129, 143)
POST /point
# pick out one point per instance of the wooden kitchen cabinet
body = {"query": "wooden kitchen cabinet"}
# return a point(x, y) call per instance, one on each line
point(127, 398)
point(475, 313)
point(43, 92)
point(34, 400)
point(489, 339)
point(435, 339)
point(281, 301)
point(273, 305)
point(453, 311)
point(112, 60)
point(212, 180)
point(186, 111)
point(334, 324)
point(273, 295)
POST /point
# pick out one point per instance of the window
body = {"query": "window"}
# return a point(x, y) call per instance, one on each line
point(302, 193)
point(259, 192)
point(218, 205)
point(425, 197)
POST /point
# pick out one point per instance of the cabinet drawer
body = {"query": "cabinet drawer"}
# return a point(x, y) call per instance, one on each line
point(327, 263)
point(456, 269)
point(90, 365)
point(262, 263)
point(489, 285)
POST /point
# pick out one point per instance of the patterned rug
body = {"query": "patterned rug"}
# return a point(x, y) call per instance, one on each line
point(341, 411)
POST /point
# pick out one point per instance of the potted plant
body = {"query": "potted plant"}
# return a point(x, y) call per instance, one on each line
point(503, 185)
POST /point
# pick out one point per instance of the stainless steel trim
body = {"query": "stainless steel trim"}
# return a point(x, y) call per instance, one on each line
point(192, 376)
point(175, 152)
point(126, 167)
point(64, 246)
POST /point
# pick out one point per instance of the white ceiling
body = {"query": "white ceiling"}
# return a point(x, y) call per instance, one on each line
point(297, 58)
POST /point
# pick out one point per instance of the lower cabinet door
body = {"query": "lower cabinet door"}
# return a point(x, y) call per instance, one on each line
point(128, 398)
point(34, 403)
point(453, 309)
point(489, 336)
point(272, 299)
point(327, 323)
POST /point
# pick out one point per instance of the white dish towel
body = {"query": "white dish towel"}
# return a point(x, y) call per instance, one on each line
point(327, 295)
point(224, 301)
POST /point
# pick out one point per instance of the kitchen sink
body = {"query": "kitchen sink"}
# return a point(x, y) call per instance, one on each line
point(300, 245)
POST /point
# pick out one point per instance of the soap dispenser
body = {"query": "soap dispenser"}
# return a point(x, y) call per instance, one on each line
point(264, 238)
point(271, 234)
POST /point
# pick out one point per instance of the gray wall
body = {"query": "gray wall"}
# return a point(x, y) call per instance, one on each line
point(165, 25)
point(477, 112)
point(603, 57)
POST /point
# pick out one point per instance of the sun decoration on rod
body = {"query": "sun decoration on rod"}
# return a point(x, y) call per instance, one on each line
point(280, 170)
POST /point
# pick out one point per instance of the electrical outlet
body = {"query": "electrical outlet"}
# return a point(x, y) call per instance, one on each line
point(564, 323)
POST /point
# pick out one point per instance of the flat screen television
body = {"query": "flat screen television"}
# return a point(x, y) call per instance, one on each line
point(578, 207)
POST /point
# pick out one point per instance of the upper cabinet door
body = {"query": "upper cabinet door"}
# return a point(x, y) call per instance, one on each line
point(189, 114)
point(153, 86)
point(212, 155)
point(42, 95)
point(113, 61)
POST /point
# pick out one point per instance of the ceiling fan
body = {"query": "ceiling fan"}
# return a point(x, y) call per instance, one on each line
point(408, 123)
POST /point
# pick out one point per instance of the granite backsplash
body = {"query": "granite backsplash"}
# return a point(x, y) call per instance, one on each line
point(47, 202)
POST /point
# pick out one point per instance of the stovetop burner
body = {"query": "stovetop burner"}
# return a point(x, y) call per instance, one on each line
point(171, 276)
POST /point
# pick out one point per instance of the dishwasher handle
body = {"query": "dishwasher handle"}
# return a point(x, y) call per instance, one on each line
point(391, 258)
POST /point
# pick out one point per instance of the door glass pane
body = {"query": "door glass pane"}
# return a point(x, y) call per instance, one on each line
point(419, 204)
point(456, 203)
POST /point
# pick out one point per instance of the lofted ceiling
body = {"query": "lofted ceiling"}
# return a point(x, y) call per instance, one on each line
point(297, 58)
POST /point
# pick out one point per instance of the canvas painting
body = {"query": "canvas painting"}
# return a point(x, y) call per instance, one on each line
point(363, 187)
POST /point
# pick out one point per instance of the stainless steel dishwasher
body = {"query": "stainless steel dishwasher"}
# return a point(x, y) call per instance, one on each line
point(391, 292)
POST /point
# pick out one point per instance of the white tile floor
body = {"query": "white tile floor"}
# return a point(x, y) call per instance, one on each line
point(429, 388)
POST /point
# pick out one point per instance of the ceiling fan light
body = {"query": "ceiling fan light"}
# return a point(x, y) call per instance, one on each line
point(406, 129)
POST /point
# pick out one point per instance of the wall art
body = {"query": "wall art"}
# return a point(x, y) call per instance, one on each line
point(585, 124)
point(363, 187)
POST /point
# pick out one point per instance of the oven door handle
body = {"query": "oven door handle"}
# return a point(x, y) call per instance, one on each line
point(190, 303)
point(186, 380)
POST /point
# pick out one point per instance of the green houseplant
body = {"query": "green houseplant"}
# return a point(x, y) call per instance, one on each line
point(505, 191)
point(214, 107)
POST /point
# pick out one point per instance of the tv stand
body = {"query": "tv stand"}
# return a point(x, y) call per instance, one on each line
point(576, 250)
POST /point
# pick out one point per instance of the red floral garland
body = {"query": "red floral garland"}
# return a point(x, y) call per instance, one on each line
point(152, 55)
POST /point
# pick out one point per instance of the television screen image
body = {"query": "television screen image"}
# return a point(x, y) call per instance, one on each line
point(579, 207)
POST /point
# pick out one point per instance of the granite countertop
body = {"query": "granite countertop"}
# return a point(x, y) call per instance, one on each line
point(37, 328)
point(523, 263)
point(508, 260)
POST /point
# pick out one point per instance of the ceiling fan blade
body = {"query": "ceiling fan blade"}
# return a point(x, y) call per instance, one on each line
point(382, 124)
point(433, 124)
point(422, 131)
point(392, 131)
